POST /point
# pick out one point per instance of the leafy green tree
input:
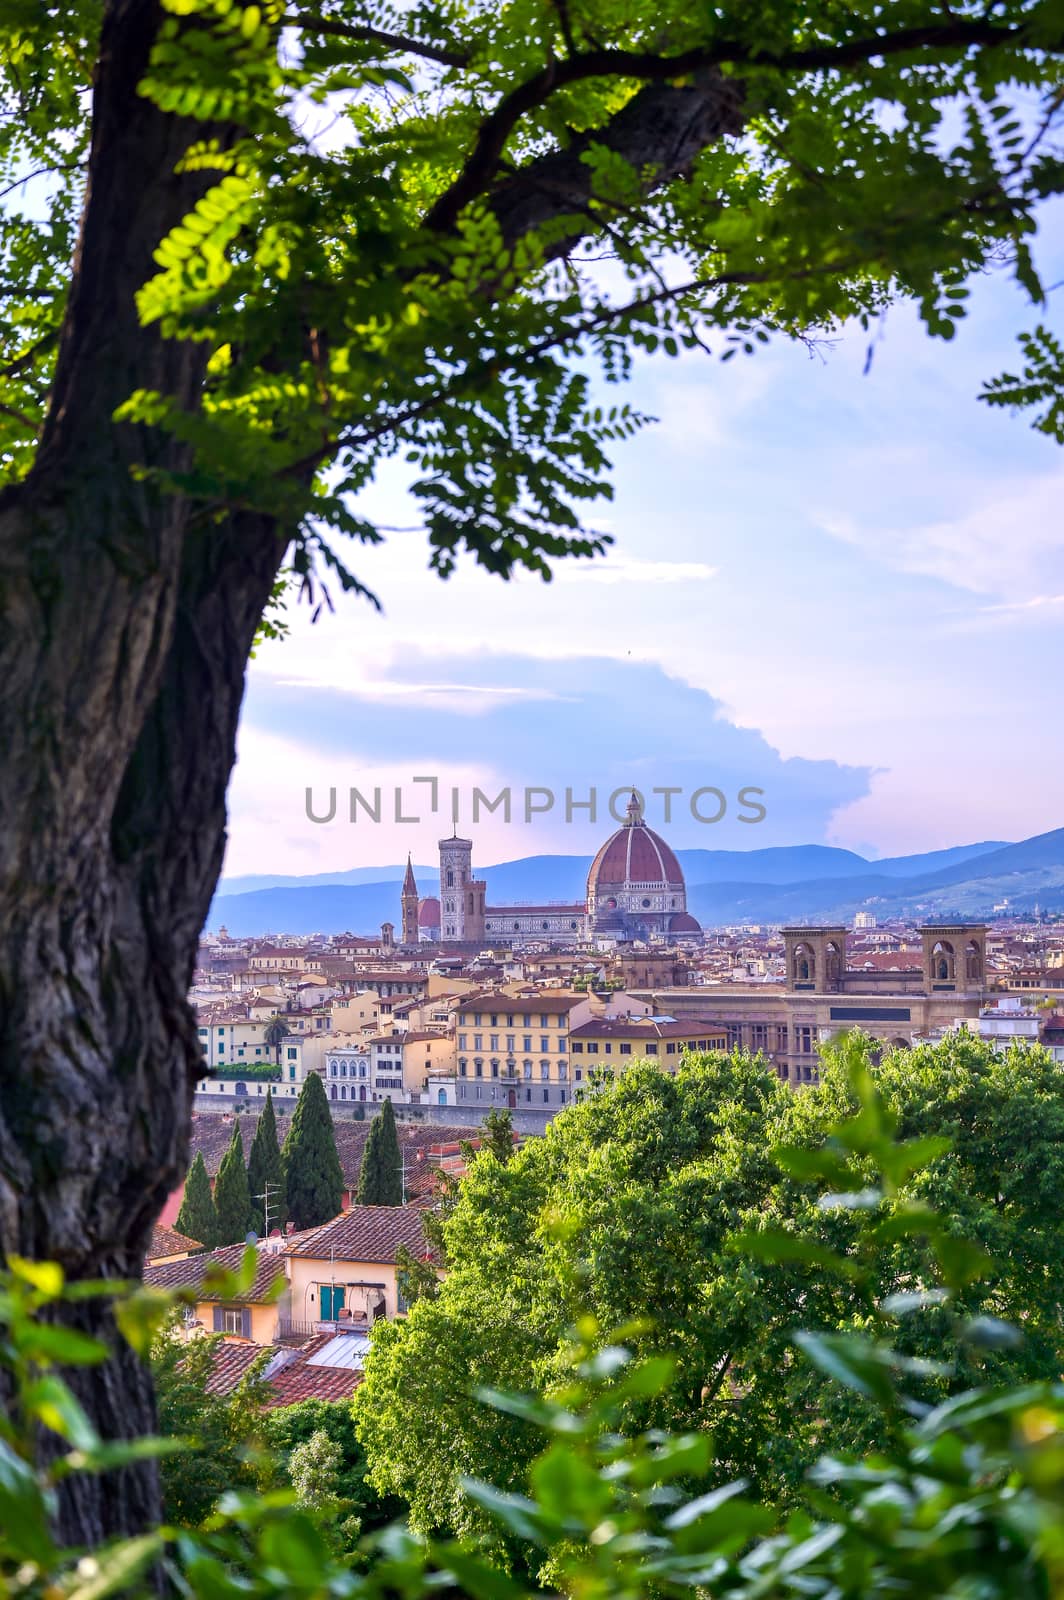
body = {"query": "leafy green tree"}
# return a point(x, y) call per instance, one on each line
point(265, 1171)
point(214, 377)
point(224, 1428)
point(197, 1218)
point(380, 1177)
point(314, 1180)
point(636, 1206)
point(232, 1197)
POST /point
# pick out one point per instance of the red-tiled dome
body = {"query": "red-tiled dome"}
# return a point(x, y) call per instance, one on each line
point(428, 912)
point(683, 922)
point(635, 854)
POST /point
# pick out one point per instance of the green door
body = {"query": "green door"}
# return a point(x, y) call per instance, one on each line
point(332, 1300)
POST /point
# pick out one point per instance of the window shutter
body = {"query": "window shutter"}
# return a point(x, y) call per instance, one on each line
point(219, 1325)
point(245, 1321)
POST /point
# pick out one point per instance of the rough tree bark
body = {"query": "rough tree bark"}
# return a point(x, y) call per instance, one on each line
point(125, 627)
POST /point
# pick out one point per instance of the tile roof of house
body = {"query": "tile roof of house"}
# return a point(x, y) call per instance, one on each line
point(231, 1361)
point(190, 1273)
point(168, 1242)
point(646, 1028)
point(366, 1233)
point(308, 1378)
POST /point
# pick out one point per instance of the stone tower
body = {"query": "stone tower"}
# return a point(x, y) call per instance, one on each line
point(816, 959)
point(461, 895)
point(954, 957)
point(409, 899)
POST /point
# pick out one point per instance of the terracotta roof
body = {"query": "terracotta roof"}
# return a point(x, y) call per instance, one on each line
point(634, 854)
point(366, 1233)
point(428, 912)
point(304, 1379)
point(190, 1274)
point(231, 1361)
point(645, 1028)
point(168, 1242)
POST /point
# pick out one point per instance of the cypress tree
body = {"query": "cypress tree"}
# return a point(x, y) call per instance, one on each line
point(314, 1182)
point(232, 1198)
point(380, 1180)
point(197, 1218)
point(264, 1168)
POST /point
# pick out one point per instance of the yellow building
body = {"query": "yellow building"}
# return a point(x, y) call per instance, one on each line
point(512, 1046)
point(253, 1315)
point(615, 1042)
point(346, 1271)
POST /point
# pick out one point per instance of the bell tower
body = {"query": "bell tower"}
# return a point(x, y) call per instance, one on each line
point(954, 957)
point(815, 958)
point(410, 904)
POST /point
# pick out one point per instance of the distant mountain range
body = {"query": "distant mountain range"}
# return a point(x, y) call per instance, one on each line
point(789, 883)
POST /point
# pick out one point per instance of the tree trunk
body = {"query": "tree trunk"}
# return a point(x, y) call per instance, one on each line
point(124, 635)
point(125, 626)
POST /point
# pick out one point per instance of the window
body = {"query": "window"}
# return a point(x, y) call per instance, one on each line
point(651, 1049)
point(495, 1069)
point(478, 1069)
point(291, 1074)
point(561, 1047)
point(510, 1021)
point(544, 1022)
point(546, 1092)
point(544, 1043)
point(494, 1020)
point(527, 1069)
point(526, 1043)
point(293, 1054)
point(577, 1048)
point(578, 1074)
point(462, 1042)
point(232, 1320)
point(462, 1069)
point(625, 1049)
point(493, 1041)
point(509, 1044)
point(544, 1069)
point(670, 1049)
point(478, 1041)
point(592, 1048)
point(526, 1020)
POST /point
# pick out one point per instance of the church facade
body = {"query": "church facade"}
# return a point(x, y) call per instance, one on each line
point(635, 890)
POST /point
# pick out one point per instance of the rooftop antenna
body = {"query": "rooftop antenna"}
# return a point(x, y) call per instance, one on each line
point(265, 1198)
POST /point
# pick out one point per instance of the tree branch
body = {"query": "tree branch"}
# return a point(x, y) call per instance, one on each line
point(495, 130)
point(368, 35)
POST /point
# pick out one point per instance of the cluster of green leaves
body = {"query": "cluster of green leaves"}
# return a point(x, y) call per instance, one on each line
point(359, 299)
point(694, 1198)
point(960, 1496)
point(1039, 384)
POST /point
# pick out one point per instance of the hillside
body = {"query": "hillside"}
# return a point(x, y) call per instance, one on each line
point(788, 883)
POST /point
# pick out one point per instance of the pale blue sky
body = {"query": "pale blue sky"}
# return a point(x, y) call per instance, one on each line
point(846, 589)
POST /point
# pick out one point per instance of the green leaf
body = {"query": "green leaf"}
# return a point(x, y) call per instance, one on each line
point(566, 1485)
point(116, 1568)
point(51, 1402)
point(25, 1511)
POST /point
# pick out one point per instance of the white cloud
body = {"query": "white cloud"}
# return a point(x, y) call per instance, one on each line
point(1006, 545)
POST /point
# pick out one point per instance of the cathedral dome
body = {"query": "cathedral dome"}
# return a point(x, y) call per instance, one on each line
point(428, 912)
point(635, 857)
